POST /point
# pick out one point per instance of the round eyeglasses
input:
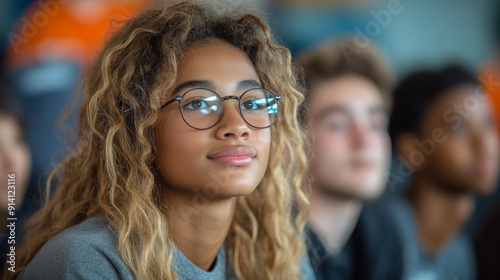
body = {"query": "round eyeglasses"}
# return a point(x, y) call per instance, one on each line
point(202, 108)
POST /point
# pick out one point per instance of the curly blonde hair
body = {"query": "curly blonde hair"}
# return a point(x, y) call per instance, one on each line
point(110, 173)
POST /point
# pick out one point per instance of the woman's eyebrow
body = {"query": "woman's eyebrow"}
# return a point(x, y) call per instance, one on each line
point(194, 84)
point(248, 84)
point(242, 85)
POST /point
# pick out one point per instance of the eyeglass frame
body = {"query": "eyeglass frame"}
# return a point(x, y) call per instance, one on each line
point(222, 99)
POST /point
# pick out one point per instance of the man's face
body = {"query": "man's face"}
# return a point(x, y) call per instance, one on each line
point(465, 157)
point(348, 129)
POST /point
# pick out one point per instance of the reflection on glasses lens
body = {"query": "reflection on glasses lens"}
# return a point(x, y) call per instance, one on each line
point(259, 107)
point(202, 108)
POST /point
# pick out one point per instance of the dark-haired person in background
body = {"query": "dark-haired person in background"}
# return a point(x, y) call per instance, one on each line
point(346, 119)
point(442, 129)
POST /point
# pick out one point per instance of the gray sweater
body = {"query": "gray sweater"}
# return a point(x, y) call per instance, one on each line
point(89, 251)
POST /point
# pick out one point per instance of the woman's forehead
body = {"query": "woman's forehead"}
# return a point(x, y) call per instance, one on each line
point(218, 62)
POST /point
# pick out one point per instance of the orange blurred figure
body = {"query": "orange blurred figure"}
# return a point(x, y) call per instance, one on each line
point(66, 30)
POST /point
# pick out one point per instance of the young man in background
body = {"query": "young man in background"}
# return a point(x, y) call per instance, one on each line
point(345, 114)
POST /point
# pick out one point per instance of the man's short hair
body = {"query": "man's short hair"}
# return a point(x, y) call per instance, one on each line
point(343, 57)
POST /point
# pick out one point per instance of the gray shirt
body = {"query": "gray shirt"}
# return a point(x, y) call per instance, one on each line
point(89, 251)
point(454, 262)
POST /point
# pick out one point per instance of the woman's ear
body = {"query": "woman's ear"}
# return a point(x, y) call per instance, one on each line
point(408, 151)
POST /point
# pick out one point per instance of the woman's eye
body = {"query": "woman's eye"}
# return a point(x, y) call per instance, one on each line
point(196, 105)
point(252, 105)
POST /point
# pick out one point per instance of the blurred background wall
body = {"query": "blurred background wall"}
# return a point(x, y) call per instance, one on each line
point(420, 33)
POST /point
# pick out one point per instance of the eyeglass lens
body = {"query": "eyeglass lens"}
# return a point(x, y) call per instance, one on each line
point(202, 108)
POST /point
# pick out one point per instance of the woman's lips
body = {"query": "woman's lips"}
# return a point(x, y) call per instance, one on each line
point(239, 155)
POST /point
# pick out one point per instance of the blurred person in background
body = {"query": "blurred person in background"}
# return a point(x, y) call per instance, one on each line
point(345, 114)
point(47, 52)
point(443, 130)
point(15, 158)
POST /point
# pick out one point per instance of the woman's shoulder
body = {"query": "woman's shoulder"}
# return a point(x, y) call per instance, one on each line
point(90, 237)
point(92, 231)
point(85, 251)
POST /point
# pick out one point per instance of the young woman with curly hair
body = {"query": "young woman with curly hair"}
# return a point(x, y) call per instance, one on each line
point(189, 163)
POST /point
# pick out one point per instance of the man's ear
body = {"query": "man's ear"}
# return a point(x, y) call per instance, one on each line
point(410, 154)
